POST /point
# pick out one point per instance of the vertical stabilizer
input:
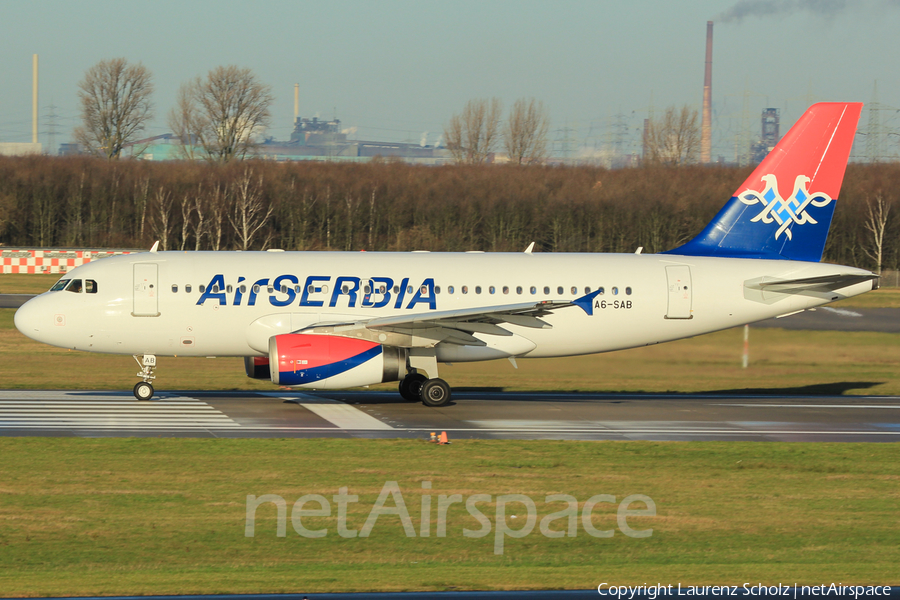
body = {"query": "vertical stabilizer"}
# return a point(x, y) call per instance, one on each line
point(784, 209)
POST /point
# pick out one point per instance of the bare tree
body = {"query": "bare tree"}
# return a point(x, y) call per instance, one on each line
point(161, 216)
point(472, 135)
point(115, 106)
point(249, 213)
point(184, 121)
point(525, 133)
point(674, 139)
point(876, 222)
point(222, 113)
point(218, 208)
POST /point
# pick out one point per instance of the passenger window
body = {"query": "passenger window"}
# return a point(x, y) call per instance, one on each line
point(409, 289)
point(546, 290)
point(229, 288)
point(450, 289)
point(174, 288)
point(255, 289)
point(271, 289)
point(296, 289)
point(383, 289)
point(202, 288)
point(574, 290)
point(396, 289)
point(615, 291)
point(465, 289)
point(215, 288)
point(505, 289)
point(437, 289)
point(75, 286)
point(628, 291)
point(491, 289)
point(187, 288)
point(367, 289)
point(559, 290)
point(284, 289)
point(477, 289)
point(424, 289)
point(533, 290)
point(242, 288)
point(518, 289)
point(601, 291)
point(587, 290)
point(90, 286)
point(60, 285)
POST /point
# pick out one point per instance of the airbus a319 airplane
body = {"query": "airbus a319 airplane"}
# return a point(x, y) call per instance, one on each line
point(330, 320)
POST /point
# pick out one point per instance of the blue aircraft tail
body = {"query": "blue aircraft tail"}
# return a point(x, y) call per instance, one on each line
point(808, 163)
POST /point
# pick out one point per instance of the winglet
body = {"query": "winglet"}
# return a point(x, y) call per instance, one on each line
point(586, 302)
point(155, 246)
point(529, 248)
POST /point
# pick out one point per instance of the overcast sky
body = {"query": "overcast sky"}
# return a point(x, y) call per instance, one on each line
point(394, 70)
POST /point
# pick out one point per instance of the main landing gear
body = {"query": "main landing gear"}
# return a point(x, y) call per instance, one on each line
point(430, 392)
point(143, 390)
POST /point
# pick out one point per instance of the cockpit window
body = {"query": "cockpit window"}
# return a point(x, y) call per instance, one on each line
point(90, 286)
point(75, 286)
point(59, 285)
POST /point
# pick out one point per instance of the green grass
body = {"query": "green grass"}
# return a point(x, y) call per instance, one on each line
point(150, 516)
point(26, 284)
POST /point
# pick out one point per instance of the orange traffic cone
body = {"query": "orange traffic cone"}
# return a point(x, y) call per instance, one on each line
point(444, 439)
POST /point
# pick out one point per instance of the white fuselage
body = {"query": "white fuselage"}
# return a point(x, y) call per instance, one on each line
point(647, 299)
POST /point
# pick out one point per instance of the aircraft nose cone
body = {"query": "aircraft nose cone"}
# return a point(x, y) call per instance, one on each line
point(28, 319)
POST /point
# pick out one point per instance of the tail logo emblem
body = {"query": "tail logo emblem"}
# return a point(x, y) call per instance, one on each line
point(785, 212)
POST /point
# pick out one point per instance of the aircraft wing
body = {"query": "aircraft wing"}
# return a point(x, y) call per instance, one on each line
point(456, 326)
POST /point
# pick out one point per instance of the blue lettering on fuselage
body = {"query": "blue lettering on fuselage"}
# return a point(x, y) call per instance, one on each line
point(374, 292)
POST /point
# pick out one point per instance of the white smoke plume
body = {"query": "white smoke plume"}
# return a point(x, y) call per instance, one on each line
point(424, 140)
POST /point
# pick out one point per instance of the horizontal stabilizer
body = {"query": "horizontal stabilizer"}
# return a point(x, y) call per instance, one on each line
point(824, 283)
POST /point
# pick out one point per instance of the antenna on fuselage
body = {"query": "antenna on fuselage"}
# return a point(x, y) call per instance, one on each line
point(155, 246)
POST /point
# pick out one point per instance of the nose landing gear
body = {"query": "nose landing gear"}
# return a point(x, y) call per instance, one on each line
point(143, 390)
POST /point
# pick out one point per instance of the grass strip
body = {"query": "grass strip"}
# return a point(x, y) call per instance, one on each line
point(91, 517)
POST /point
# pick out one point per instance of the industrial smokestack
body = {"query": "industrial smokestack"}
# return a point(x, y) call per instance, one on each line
point(34, 100)
point(706, 123)
point(296, 101)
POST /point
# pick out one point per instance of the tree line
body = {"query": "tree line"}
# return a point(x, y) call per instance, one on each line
point(393, 206)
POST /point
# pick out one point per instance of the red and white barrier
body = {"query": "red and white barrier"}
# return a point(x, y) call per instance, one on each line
point(25, 260)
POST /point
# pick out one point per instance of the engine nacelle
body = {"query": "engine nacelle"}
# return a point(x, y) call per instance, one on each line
point(327, 362)
point(257, 367)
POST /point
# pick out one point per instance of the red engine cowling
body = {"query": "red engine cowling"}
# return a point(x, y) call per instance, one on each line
point(331, 362)
point(257, 367)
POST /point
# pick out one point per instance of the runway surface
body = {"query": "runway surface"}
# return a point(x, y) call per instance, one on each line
point(472, 415)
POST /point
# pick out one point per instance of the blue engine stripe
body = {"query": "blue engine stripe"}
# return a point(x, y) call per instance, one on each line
point(314, 374)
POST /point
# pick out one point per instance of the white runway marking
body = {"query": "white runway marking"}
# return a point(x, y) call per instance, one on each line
point(341, 415)
point(115, 411)
point(812, 405)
